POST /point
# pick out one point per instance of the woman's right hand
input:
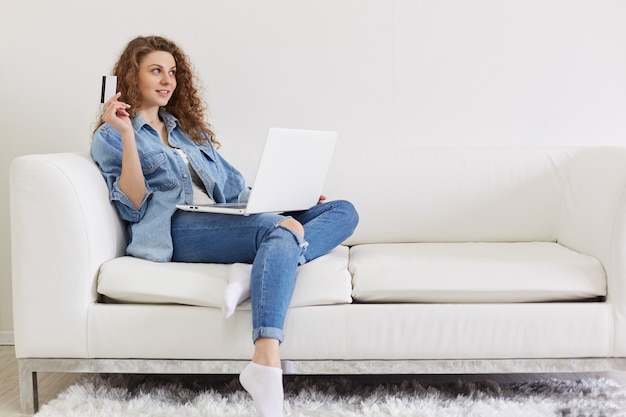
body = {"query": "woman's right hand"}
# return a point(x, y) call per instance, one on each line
point(115, 113)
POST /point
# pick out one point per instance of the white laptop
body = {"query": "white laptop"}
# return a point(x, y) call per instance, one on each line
point(290, 175)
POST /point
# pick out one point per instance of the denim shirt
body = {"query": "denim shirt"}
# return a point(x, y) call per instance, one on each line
point(167, 179)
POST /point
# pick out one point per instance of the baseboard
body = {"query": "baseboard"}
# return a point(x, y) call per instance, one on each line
point(6, 338)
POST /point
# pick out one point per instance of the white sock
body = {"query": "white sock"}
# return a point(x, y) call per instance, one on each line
point(265, 385)
point(237, 289)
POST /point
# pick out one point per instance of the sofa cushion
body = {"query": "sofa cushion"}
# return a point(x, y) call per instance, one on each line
point(325, 280)
point(473, 273)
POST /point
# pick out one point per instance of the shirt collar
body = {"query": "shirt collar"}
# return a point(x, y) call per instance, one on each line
point(170, 121)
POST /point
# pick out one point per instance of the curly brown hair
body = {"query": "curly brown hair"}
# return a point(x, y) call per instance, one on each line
point(185, 103)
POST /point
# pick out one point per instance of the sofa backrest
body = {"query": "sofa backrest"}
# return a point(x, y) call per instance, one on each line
point(452, 194)
point(403, 193)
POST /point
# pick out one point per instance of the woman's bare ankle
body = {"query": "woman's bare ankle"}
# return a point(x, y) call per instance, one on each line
point(267, 352)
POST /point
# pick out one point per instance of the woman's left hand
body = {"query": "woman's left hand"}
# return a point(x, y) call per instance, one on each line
point(321, 200)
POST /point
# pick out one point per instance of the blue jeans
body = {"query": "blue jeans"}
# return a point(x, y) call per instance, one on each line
point(274, 251)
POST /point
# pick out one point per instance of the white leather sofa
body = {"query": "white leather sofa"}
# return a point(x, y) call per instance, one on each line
point(466, 260)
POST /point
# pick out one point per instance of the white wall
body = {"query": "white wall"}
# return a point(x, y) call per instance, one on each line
point(379, 71)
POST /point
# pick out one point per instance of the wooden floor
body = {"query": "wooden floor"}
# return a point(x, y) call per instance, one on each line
point(51, 384)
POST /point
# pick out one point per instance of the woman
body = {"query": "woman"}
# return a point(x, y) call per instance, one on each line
point(155, 150)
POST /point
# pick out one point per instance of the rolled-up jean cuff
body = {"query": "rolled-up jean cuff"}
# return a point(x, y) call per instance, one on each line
point(268, 332)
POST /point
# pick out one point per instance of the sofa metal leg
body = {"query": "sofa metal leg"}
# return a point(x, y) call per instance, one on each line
point(29, 395)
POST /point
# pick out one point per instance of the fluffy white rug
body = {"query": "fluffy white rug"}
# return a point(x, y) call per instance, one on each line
point(180, 396)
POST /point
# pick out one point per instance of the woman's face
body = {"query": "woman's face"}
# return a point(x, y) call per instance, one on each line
point(156, 79)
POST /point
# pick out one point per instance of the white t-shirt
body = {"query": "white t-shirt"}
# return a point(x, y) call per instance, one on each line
point(200, 196)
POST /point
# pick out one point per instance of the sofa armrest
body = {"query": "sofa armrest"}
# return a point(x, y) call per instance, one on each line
point(62, 229)
point(593, 222)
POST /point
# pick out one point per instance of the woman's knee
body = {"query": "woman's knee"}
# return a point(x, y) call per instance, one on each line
point(349, 213)
point(293, 225)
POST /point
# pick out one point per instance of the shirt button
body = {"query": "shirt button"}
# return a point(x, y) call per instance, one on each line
point(184, 175)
